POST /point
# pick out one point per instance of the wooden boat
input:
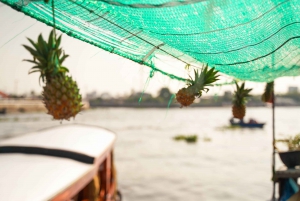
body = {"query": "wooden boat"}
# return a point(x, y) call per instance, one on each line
point(246, 125)
point(58, 164)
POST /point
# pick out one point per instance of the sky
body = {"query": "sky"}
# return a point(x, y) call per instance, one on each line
point(93, 69)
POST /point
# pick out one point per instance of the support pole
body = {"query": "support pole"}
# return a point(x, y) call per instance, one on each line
point(273, 143)
point(273, 131)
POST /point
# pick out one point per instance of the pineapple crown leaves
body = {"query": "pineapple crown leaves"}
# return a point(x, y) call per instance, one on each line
point(47, 57)
point(268, 93)
point(240, 94)
point(269, 88)
point(203, 80)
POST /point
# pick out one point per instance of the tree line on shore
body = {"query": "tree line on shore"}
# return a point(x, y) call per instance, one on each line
point(139, 99)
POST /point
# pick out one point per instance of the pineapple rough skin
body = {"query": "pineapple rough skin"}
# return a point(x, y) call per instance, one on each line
point(185, 97)
point(239, 111)
point(61, 98)
point(267, 98)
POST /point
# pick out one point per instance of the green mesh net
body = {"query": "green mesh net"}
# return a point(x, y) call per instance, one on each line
point(247, 39)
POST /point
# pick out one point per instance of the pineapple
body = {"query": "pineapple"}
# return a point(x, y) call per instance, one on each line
point(239, 101)
point(186, 96)
point(60, 93)
point(268, 96)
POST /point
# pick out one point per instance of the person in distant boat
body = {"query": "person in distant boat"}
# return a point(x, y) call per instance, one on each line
point(252, 121)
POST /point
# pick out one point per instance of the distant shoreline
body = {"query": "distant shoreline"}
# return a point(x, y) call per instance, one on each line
point(27, 105)
point(173, 105)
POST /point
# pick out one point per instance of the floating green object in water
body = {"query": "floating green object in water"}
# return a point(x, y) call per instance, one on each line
point(230, 127)
point(179, 137)
point(191, 139)
point(187, 138)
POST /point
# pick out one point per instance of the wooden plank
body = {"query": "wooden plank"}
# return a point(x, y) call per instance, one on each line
point(73, 189)
point(287, 173)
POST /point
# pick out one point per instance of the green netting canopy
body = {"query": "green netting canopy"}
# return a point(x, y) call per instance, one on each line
point(257, 40)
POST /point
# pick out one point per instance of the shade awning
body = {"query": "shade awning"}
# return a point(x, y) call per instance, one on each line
point(248, 39)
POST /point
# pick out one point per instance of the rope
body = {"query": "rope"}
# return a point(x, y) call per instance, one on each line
point(17, 35)
point(53, 16)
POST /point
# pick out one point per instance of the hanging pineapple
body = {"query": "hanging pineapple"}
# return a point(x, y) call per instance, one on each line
point(239, 101)
point(61, 94)
point(186, 96)
point(268, 96)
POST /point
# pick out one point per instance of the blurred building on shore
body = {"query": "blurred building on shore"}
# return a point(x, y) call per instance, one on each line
point(3, 95)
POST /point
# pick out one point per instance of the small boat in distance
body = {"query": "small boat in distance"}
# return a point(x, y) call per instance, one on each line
point(251, 124)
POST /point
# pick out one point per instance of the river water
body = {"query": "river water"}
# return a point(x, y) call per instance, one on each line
point(235, 165)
